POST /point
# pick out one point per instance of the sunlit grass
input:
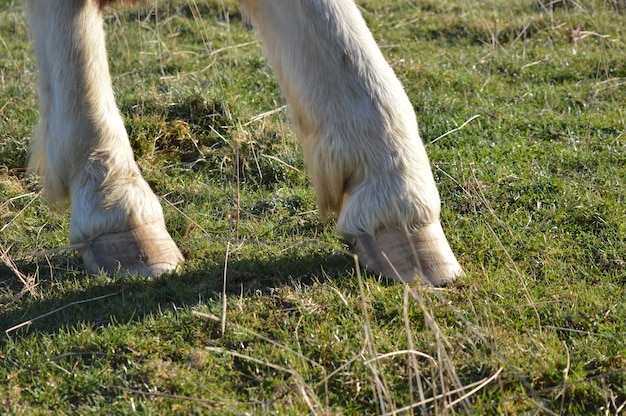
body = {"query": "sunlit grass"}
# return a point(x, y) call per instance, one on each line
point(521, 105)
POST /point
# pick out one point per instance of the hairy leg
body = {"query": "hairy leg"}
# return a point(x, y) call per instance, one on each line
point(359, 135)
point(81, 147)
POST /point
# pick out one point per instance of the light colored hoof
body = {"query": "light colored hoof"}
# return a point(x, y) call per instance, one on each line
point(422, 254)
point(146, 250)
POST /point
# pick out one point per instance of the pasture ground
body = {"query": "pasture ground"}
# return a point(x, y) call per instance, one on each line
point(522, 106)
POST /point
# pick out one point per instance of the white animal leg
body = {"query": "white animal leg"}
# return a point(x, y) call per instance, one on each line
point(359, 134)
point(82, 150)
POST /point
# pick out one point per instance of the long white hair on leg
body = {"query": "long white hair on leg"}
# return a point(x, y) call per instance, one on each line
point(81, 146)
point(358, 128)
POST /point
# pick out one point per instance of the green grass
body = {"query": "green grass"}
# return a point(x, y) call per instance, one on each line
point(525, 126)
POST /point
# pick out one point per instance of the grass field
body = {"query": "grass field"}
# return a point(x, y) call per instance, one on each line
point(522, 105)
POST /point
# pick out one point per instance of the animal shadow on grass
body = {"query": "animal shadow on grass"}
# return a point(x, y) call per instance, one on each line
point(99, 301)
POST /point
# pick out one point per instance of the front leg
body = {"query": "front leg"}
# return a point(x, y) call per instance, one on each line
point(81, 147)
point(359, 134)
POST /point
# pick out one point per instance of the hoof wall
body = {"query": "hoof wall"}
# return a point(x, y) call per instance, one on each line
point(422, 254)
point(147, 250)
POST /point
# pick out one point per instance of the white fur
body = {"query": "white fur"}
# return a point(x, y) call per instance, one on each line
point(358, 128)
point(80, 146)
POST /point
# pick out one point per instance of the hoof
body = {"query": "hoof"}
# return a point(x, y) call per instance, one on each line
point(147, 250)
point(422, 254)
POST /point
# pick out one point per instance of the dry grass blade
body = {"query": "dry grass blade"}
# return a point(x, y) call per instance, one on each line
point(79, 302)
point(380, 386)
point(480, 385)
point(476, 331)
point(403, 352)
point(257, 335)
point(469, 120)
point(307, 395)
point(282, 162)
point(412, 357)
point(475, 387)
point(444, 361)
point(34, 196)
point(28, 281)
point(265, 114)
point(224, 298)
